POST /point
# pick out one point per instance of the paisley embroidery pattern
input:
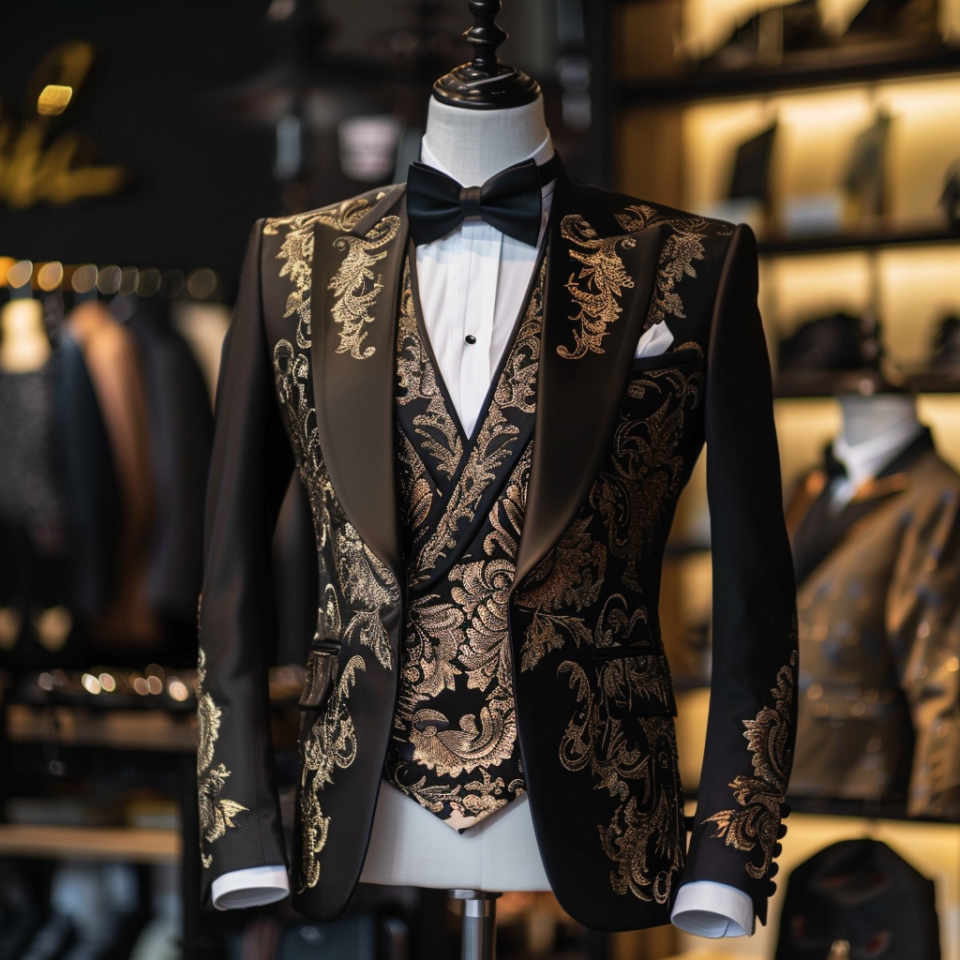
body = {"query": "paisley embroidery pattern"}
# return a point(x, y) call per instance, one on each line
point(358, 585)
point(217, 814)
point(356, 286)
point(330, 743)
point(682, 247)
point(645, 838)
point(762, 795)
point(297, 253)
point(418, 382)
point(597, 289)
point(647, 472)
point(455, 747)
point(495, 442)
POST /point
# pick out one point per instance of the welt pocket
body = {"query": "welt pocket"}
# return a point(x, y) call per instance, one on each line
point(670, 360)
point(321, 676)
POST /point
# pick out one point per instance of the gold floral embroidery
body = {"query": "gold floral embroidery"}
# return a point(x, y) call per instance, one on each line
point(762, 795)
point(355, 580)
point(355, 285)
point(457, 636)
point(418, 381)
point(646, 472)
point(682, 247)
point(330, 742)
point(217, 814)
point(468, 637)
point(570, 575)
point(647, 845)
point(297, 253)
point(605, 280)
point(493, 446)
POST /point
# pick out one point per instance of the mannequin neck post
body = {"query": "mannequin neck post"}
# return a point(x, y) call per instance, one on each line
point(473, 145)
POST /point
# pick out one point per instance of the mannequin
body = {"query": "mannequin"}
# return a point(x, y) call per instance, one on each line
point(874, 430)
point(538, 616)
point(472, 145)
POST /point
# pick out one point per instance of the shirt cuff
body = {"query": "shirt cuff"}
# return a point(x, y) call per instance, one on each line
point(252, 887)
point(715, 910)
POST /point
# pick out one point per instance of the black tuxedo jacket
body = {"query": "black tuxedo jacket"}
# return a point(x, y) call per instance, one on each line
point(309, 383)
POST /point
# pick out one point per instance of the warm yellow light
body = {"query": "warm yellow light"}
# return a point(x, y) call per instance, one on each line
point(53, 100)
point(84, 278)
point(90, 683)
point(108, 682)
point(50, 276)
point(19, 274)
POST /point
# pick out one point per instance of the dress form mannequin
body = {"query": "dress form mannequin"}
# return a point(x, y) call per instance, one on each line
point(472, 139)
point(868, 418)
point(874, 430)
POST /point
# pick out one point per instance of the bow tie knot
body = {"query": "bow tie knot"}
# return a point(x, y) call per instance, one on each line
point(511, 201)
point(470, 202)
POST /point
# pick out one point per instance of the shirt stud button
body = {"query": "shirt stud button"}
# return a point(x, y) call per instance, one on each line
point(470, 338)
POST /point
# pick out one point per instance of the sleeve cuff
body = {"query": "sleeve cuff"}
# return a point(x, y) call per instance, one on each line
point(252, 887)
point(714, 910)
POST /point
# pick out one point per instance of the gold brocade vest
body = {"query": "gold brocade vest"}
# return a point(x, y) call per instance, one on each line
point(454, 747)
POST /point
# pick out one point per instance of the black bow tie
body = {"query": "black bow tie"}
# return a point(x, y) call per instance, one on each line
point(511, 201)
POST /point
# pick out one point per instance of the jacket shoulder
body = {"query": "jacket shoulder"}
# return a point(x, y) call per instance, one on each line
point(634, 213)
point(341, 216)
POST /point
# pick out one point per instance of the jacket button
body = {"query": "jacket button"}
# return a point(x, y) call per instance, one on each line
point(784, 810)
point(771, 888)
point(782, 831)
point(774, 870)
point(470, 338)
point(777, 849)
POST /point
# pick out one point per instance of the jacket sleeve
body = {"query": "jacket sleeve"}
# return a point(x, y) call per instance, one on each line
point(923, 630)
point(752, 718)
point(239, 811)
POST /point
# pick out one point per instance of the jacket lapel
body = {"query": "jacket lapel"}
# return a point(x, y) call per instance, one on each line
point(599, 287)
point(354, 303)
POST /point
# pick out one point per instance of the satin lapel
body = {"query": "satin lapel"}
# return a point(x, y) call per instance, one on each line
point(578, 399)
point(355, 299)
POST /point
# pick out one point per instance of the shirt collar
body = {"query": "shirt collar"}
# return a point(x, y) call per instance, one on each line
point(866, 460)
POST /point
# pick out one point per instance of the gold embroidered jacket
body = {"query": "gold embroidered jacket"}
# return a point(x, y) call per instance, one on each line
point(310, 383)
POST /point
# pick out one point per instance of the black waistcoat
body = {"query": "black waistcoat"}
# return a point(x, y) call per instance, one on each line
point(454, 747)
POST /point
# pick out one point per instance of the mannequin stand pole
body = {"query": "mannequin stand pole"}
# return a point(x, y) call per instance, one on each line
point(478, 941)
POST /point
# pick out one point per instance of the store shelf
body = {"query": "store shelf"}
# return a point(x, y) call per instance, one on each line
point(856, 63)
point(93, 843)
point(782, 246)
point(115, 729)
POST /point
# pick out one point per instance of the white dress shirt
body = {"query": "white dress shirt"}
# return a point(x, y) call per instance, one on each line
point(473, 282)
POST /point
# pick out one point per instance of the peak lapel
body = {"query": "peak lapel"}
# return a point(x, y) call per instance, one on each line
point(598, 295)
point(355, 296)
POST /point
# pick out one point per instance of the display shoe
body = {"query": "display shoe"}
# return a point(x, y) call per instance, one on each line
point(766, 36)
point(893, 18)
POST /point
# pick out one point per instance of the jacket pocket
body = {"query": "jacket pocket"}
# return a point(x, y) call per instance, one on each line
point(637, 685)
point(683, 358)
point(321, 676)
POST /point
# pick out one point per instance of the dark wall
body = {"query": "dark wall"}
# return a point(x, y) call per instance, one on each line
point(196, 184)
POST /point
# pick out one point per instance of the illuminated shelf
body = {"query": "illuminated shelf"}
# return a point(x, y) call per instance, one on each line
point(114, 729)
point(93, 843)
point(856, 241)
point(856, 63)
